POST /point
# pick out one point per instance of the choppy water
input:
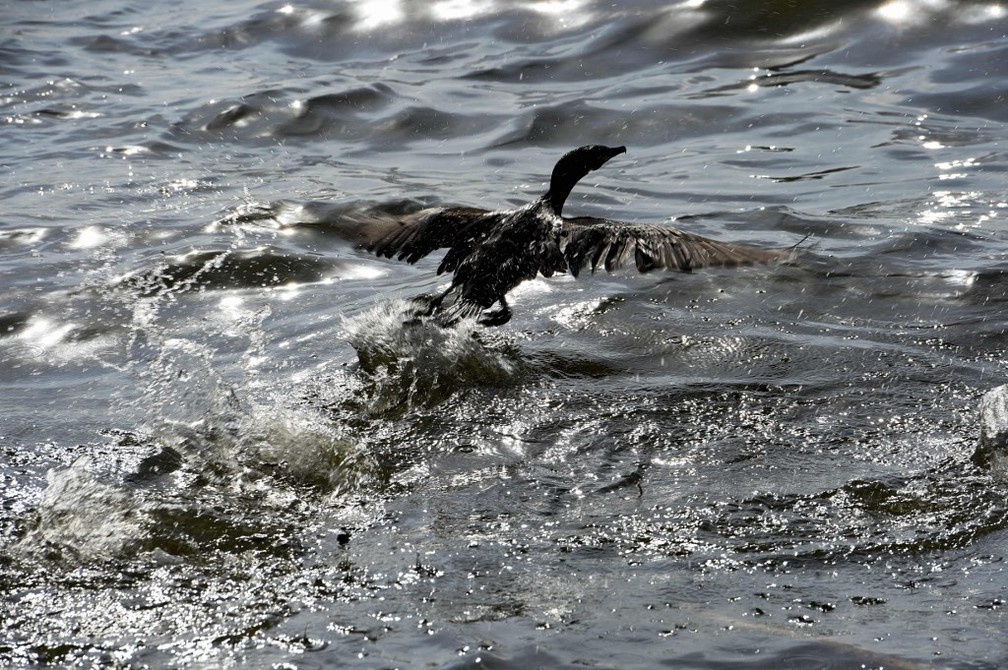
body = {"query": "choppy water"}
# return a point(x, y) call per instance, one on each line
point(220, 445)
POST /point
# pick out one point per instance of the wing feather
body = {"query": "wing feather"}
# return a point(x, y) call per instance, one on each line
point(594, 242)
point(416, 235)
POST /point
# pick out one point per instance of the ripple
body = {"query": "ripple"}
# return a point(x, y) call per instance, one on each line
point(221, 270)
point(12, 238)
point(781, 77)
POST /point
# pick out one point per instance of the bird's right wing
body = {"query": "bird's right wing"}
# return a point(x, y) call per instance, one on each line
point(594, 242)
point(416, 235)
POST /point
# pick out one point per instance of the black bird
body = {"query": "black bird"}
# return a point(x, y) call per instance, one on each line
point(490, 253)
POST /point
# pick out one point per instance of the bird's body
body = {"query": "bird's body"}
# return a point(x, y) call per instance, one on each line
point(491, 252)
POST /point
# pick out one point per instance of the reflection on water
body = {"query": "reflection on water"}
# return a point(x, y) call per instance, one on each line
point(225, 438)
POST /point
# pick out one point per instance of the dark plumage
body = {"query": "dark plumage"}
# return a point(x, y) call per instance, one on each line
point(490, 253)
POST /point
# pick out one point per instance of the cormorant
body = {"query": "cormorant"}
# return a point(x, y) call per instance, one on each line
point(490, 253)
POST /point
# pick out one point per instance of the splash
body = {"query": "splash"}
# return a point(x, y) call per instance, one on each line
point(408, 362)
point(81, 518)
point(250, 439)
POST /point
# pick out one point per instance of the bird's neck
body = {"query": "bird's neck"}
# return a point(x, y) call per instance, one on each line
point(556, 196)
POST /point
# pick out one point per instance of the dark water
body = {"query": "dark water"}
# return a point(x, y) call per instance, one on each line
point(220, 445)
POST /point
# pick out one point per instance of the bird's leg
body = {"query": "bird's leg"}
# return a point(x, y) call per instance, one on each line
point(429, 304)
point(498, 317)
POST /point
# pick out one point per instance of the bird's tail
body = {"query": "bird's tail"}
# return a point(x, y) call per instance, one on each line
point(459, 310)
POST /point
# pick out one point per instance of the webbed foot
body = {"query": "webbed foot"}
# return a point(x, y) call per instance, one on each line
point(497, 317)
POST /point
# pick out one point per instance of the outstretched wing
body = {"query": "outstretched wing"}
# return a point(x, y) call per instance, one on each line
point(414, 236)
point(593, 242)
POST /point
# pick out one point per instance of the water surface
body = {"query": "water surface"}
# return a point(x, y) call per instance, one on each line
point(220, 445)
